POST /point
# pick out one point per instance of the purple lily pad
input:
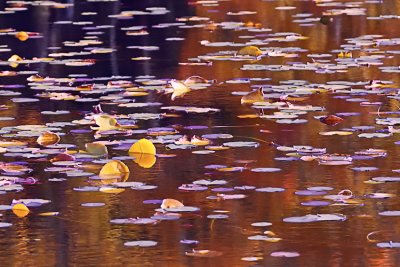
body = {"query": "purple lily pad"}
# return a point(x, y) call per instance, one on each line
point(152, 201)
point(285, 254)
point(315, 203)
point(222, 189)
point(93, 204)
point(189, 242)
point(195, 127)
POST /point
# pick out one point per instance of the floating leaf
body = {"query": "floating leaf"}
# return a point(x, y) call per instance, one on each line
point(390, 213)
point(22, 36)
point(389, 244)
point(179, 89)
point(50, 213)
point(285, 254)
point(139, 221)
point(249, 51)
point(270, 189)
point(143, 146)
point(261, 224)
point(182, 209)
point(169, 203)
point(336, 133)
point(265, 170)
point(115, 168)
point(105, 123)
point(97, 149)
point(48, 138)
point(203, 253)
point(253, 97)
point(316, 218)
point(140, 243)
point(5, 224)
point(331, 120)
point(20, 210)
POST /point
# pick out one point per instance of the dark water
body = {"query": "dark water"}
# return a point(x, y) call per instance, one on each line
point(84, 236)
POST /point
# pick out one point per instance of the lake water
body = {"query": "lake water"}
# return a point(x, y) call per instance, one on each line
point(267, 169)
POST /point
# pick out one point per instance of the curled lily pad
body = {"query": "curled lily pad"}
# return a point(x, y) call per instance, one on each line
point(170, 203)
point(143, 146)
point(115, 168)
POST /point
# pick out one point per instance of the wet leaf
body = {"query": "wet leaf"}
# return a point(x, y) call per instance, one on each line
point(97, 149)
point(22, 36)
point(143, 146)
point(203, 253)
point(316, 218)
point(140, 243)
point(48, 139)
point(285, 254)
point(249, 51)
point(331, 120)
point(169, 203)
point(179, 89)
point(20, 210)
point(115, 168)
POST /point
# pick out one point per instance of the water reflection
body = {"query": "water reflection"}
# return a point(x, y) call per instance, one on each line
point(83, 236)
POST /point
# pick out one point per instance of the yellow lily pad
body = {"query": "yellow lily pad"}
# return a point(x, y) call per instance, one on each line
point(143, 146)
point(114, 168)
